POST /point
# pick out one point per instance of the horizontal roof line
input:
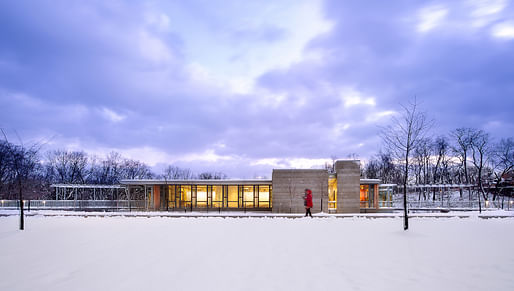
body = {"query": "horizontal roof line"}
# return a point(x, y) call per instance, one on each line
point(196, 181)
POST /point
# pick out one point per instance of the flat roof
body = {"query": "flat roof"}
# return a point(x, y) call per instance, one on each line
point(370, 181)
point(197, 182)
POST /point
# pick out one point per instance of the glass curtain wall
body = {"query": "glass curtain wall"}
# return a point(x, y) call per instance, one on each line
point(201, 196)
point(172, 194)
point(264, 197)
point(217, 196)
point(385, 196)
point(364, 196)
point(248, 196)
point(185, 196)
point(367, 195)
point(332, 193)
point(232, 196)
point(211, 196)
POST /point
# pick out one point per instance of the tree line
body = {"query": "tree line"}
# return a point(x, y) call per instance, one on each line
point(463, 156)
point(27, 169)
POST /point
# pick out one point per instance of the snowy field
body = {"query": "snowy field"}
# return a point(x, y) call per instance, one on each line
point(135, 253)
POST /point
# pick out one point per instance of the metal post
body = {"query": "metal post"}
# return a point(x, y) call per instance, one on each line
point(146, 202)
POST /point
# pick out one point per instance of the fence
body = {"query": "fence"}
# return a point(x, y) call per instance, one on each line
point(507, 204)
point(139, 205)
point(80, 205)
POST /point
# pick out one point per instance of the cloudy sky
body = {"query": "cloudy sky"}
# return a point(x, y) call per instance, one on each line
point(247, 86)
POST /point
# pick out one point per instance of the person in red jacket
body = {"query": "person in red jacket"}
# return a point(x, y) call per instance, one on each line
point(307, 201)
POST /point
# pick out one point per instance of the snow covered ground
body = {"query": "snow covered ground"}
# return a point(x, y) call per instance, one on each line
point(257, 253)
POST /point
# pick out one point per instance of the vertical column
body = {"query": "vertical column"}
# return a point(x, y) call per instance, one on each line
point(348, 182)
point(375, 192)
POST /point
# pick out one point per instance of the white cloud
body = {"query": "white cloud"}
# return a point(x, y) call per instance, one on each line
point(431, 17)
point(487, 7)
point(293, 163)
point(206, 156)
point(353, 97)
point(111, 115)
point(160, 21)
point(339, 128)
point(485, 12)
point(238, 63)
point(376, 116)
point(503, 30)
point(153, 48)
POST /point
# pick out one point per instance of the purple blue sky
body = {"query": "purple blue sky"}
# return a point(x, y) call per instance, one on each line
point(246, 86)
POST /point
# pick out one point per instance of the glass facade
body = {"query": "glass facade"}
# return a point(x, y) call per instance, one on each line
point(172, 195)
point(217, 196)
point(264, 196)
point(332, 193)
point(385, 196)
point(185, 196)
point(233, 199)
point(248, 196)
point(367, 196)
point(208, 196)
point(201, 196)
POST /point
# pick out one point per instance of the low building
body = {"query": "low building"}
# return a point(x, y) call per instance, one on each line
point(342, 191)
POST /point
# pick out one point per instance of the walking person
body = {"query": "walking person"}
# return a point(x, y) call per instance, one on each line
point(307, 202)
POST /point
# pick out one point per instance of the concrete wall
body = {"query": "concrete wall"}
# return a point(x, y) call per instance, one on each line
point(348, 186)
point(289, 187)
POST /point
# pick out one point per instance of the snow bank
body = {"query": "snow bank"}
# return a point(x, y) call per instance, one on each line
point(207, 253)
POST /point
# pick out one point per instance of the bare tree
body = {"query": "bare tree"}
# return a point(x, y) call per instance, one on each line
point(383, 167)
point(462, 138)
point(68, 166)
point(372, 168)
point(422, 154)
point(402, 137)
point(440, 149)
point(503, 162)
point(21, 163)
point(212, 176)
point(132, 169)
point(480, 149)
point(5, 163)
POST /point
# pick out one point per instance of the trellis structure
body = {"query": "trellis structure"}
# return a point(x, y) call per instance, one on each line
point(90, 192)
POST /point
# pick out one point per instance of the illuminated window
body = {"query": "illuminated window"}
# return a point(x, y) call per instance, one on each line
point(264, 196)
point(217, 196)
point(332, 193)
point(171, 196)
point(364, 196)
point(201, 196)
point(232, 197)
point(185, 196)
point(367, 195)
point(248, 196)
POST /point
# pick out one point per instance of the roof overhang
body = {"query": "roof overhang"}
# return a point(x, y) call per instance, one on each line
point(197, 182)
point(370, 181)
